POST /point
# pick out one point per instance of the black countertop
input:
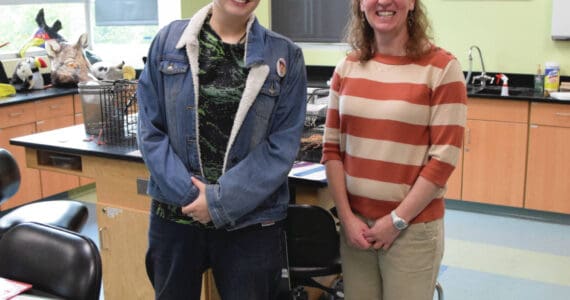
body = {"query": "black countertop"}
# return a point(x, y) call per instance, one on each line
point(74, 140)
point(520, 85)
point(515, 93)
point(33, 95)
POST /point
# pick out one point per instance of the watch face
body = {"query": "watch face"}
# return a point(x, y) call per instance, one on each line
point(399, 224)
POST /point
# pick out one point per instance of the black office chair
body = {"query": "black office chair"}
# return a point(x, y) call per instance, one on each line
point(313, 249)
point(66, 214)
point(57, 262)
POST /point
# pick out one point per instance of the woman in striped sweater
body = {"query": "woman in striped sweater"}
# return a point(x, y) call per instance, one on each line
point(393, 136)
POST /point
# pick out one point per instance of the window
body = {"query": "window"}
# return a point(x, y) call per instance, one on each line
point(321, 21)
point(123, 35)
point(126, 12)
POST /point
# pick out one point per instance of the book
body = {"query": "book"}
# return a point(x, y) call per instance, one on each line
point(10, 288)
point(308, 171)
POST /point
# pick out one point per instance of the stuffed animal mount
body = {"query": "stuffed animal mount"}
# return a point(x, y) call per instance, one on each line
point(70, 65)
point(68, 62)
point(43, 33)
point(27, 75)
point(106, 71)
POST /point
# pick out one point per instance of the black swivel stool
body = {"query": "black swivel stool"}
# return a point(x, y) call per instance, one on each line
point(67, 214)
point(58, 263)
point(312, 249)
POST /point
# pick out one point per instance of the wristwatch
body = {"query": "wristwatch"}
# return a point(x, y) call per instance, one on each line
point(398, 222)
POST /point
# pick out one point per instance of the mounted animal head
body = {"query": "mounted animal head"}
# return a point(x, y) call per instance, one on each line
point(68, 62)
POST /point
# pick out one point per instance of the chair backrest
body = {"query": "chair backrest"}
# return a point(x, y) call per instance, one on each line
point(9, 175)
point(312, 236)
point(53, 260)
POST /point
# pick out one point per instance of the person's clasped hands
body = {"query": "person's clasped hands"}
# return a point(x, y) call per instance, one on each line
point(379, 234)
point(382, 233)
point(198, 209)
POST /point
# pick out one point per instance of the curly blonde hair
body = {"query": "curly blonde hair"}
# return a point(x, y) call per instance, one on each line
point(360, 36)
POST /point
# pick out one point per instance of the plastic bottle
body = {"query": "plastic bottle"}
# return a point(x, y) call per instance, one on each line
point(539, 81)
point(505, 87)
point(551, 77)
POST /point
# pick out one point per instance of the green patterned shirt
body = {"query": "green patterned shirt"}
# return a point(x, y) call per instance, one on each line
point(222, 79)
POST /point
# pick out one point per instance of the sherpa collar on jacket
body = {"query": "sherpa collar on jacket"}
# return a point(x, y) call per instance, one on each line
point(253, 59)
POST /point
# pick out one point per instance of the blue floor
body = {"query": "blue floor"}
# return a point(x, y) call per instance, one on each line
point(488, 256)
point(501, 257)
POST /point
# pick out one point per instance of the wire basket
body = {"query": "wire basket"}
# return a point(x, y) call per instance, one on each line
point(317, 102)
point(110, 111)
point(312, 137)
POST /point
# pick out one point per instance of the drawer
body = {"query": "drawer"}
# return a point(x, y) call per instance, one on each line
point(552, 114)
point(54, 123)
point(54, 107)
point(17, 114)
point(497, 110)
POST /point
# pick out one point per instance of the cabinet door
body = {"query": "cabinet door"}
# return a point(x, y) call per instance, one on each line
point(494, 162)
point(123, 244)
point(30, 188)
point(547, 185)
point(54, 182)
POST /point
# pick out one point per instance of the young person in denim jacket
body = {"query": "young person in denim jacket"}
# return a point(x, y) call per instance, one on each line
point(221, 110)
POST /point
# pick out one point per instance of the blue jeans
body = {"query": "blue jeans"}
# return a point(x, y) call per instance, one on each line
point(246, 263)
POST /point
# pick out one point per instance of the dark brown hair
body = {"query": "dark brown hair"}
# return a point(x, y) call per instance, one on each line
point(360, 36)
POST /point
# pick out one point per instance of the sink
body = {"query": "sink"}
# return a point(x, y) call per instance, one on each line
point(495, 90)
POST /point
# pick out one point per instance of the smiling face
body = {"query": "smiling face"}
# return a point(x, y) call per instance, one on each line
point(387, 17)
point(235, 9)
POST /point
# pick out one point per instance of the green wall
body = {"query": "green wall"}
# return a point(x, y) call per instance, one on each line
point(190, 7)
point(514, 35)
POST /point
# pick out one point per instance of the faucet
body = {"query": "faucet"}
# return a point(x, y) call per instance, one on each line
point(483, 77)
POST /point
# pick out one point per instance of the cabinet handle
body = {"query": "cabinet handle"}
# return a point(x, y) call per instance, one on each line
point(562, 114)
point(103, 238)
point(55, 106)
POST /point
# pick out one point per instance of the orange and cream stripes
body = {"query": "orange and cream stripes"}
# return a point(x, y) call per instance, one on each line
point(391, 120)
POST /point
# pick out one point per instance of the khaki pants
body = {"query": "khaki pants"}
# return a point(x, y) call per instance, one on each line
point(406, 271)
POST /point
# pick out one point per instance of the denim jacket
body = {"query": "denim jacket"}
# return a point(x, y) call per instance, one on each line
point(264, 139)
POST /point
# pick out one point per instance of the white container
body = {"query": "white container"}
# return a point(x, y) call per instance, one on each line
point(551, 76)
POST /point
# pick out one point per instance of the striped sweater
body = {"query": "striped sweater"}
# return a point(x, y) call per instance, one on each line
point(391, 120)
